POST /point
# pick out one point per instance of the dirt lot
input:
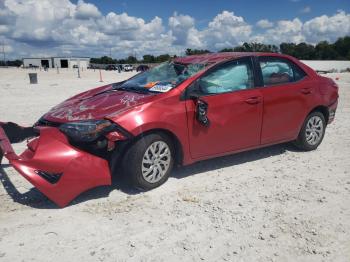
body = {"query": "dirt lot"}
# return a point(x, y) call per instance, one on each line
point(273, 204)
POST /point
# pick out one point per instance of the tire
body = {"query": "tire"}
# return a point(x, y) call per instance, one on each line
point(142, 156)
point(312, 132)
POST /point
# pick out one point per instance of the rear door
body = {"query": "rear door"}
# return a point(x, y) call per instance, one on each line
point(234, 110)
point(287, 94)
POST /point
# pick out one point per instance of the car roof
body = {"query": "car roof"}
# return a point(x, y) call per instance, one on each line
point(212, 58)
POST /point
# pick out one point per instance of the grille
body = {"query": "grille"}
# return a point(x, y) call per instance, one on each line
point(52, 178)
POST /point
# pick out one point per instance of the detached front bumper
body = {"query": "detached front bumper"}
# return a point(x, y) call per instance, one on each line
point(57, 169)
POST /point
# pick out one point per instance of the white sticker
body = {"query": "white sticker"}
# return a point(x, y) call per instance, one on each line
point(161, 88)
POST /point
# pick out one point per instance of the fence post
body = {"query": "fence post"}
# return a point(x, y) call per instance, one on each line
point(101, 76)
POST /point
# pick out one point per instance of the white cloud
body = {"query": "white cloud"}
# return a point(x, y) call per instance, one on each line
point(4, 29)
point(125, 27)
point(114, 23)
point(38, 20)
point(327, 27)
point(57, 27)
point(317, 29)
point(6, 16)
point(226, 29)
point(180, 27)
point(264, 23)
point(86, 10)
point(284, 31)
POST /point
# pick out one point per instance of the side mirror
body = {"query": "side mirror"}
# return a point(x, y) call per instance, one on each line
point(193, 92)
point(201, 112)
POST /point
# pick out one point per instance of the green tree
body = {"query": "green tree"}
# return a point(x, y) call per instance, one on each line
point(342, 47)
point(325, 51)
point(16, 63)
point(148, 59)
point(288, 49)
point(305, 51)
point(190, 51)
point(103, 60)
point(162, 58)
point(226, 50)
point(131, 60)
point(255, 47)
point(240, 48)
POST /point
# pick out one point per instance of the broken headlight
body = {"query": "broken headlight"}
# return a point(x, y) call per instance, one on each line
point(87, 131)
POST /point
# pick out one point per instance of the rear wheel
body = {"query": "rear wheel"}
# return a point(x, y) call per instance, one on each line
point(312, 132)
point(149, 161)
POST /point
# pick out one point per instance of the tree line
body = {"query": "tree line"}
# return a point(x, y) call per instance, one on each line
point(339, 50)
point(147, 59)
point(16, 63)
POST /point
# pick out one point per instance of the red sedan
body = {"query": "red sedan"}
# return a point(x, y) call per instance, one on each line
point(189, 109)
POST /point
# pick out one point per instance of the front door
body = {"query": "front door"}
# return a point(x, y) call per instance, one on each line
point(234, 111)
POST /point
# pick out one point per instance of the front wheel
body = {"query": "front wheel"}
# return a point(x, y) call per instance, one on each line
point(149, 161)
point(312, 132)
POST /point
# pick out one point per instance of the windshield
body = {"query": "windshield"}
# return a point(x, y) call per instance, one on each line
point(163, 77)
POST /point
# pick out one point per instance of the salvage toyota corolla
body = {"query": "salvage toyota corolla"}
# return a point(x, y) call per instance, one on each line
point(179, 112)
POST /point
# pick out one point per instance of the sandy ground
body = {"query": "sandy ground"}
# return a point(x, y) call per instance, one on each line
point(272, 204)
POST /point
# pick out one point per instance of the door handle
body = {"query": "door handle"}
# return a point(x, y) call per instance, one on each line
point(253, 100)
point(306, 91)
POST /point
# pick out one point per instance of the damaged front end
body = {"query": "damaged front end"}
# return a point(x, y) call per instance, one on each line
point(56, 162)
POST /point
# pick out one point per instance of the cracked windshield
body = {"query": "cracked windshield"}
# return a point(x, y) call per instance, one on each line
point(163, 77)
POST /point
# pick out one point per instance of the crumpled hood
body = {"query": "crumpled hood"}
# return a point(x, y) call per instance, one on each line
point(96, 104)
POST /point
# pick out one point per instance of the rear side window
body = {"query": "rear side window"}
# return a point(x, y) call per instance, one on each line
point(277, 71)
point(234, 76)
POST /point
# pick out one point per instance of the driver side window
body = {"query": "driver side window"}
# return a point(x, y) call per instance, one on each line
point(234, 76)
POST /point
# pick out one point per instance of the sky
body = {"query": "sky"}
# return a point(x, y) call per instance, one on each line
point(36, 28)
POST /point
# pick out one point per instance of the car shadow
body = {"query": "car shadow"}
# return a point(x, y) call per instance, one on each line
point(34, 198)
point(233, 159)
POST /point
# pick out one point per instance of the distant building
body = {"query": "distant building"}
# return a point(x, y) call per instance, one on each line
point(60, 62)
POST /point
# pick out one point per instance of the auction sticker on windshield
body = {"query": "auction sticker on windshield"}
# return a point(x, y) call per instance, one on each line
point(161, 88)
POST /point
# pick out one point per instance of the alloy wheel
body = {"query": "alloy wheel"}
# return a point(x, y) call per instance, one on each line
point(156, 161)
point(314, 130)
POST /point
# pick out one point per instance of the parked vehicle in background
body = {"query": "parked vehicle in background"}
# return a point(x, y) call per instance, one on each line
point(96, 66)
point(111, 68)
point(119, 68)
point(75, 66)
point(128, 68)
point(142, 68)
point(33, 66)
point(179, 112)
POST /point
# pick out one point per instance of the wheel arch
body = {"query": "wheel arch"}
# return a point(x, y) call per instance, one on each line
point(322, 109)
point(123, 146)
point(179, 154)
